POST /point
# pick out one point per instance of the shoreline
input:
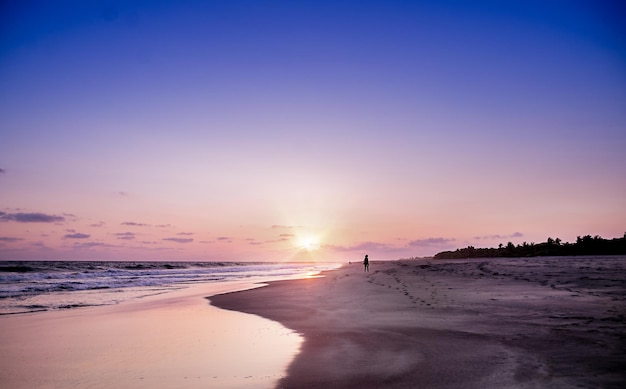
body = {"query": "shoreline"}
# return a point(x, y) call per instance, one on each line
point(164, 341)
point(522, 323)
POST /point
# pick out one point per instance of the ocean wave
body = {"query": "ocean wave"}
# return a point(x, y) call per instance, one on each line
point(47, 284)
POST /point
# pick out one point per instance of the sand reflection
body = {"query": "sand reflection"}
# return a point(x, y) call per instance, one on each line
point(177, 340)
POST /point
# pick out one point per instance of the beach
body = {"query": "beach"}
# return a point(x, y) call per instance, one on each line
point(168, 340)
point(475, 323)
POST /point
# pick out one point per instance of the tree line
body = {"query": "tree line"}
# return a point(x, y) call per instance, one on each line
point(586, 245)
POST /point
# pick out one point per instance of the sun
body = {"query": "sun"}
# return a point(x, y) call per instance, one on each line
point(308, 243)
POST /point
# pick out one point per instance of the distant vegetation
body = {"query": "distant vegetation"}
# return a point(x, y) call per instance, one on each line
point(587, 245)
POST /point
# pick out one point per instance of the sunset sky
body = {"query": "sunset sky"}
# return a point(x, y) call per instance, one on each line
point(322, 130)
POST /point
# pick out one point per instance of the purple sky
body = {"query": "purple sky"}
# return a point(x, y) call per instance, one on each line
point(249, 130)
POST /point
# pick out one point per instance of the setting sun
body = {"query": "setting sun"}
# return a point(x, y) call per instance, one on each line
point(308, 243)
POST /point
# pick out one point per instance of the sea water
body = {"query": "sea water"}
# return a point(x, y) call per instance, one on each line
point(32, 286)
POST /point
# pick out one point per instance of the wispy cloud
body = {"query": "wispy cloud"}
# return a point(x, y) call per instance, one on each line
point(284, 227)
point(364, 246)
point(186, 233)
point(276, 240)
point(179, 240)
point(286, 235)
point(498, 236)
point(388, 248)
point(163, 225)
point(89, 245)
point(76, 235)
point(125, 235)
point(135, 224)
point(2, 171)
point(36, 217)
point(430, 242)
point(222, 238)
point(9, 239)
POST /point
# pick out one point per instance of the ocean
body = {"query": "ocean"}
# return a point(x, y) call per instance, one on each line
point(33, 286)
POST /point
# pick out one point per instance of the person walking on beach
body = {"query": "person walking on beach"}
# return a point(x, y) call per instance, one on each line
point(366, 264)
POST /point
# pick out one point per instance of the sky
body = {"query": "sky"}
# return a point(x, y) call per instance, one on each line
point(307, 130)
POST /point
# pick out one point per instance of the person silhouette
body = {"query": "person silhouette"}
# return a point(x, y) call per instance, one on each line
point(366, 264)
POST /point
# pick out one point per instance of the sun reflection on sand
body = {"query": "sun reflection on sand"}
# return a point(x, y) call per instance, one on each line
point(178, 341)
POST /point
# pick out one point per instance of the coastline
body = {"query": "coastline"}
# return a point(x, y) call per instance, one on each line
point(476, 323)
point(164, 341)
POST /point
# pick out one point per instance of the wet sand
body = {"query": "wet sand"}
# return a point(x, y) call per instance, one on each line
point(173, 340)
point(479, 323)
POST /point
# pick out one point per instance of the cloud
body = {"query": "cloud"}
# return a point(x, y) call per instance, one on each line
point(276, 240)
point(186, 233)
point(163, 225)
point(35, 217)
point(134, 224)
point(286, 235)
point(98, 224)
point(2, 171)
point(387, 248)
point(223, 238)
point(179, 240)
point(9, 239)
point(125, 235)
point(88, 245)
point(498, 236)
point(430, 242)
point(364, 246)
point(124, 194)
point(77, 235)
point(278, 226)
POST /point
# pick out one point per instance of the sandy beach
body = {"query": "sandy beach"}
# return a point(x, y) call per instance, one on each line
point(479, 323)
point(496, 323)
point(171, 340)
